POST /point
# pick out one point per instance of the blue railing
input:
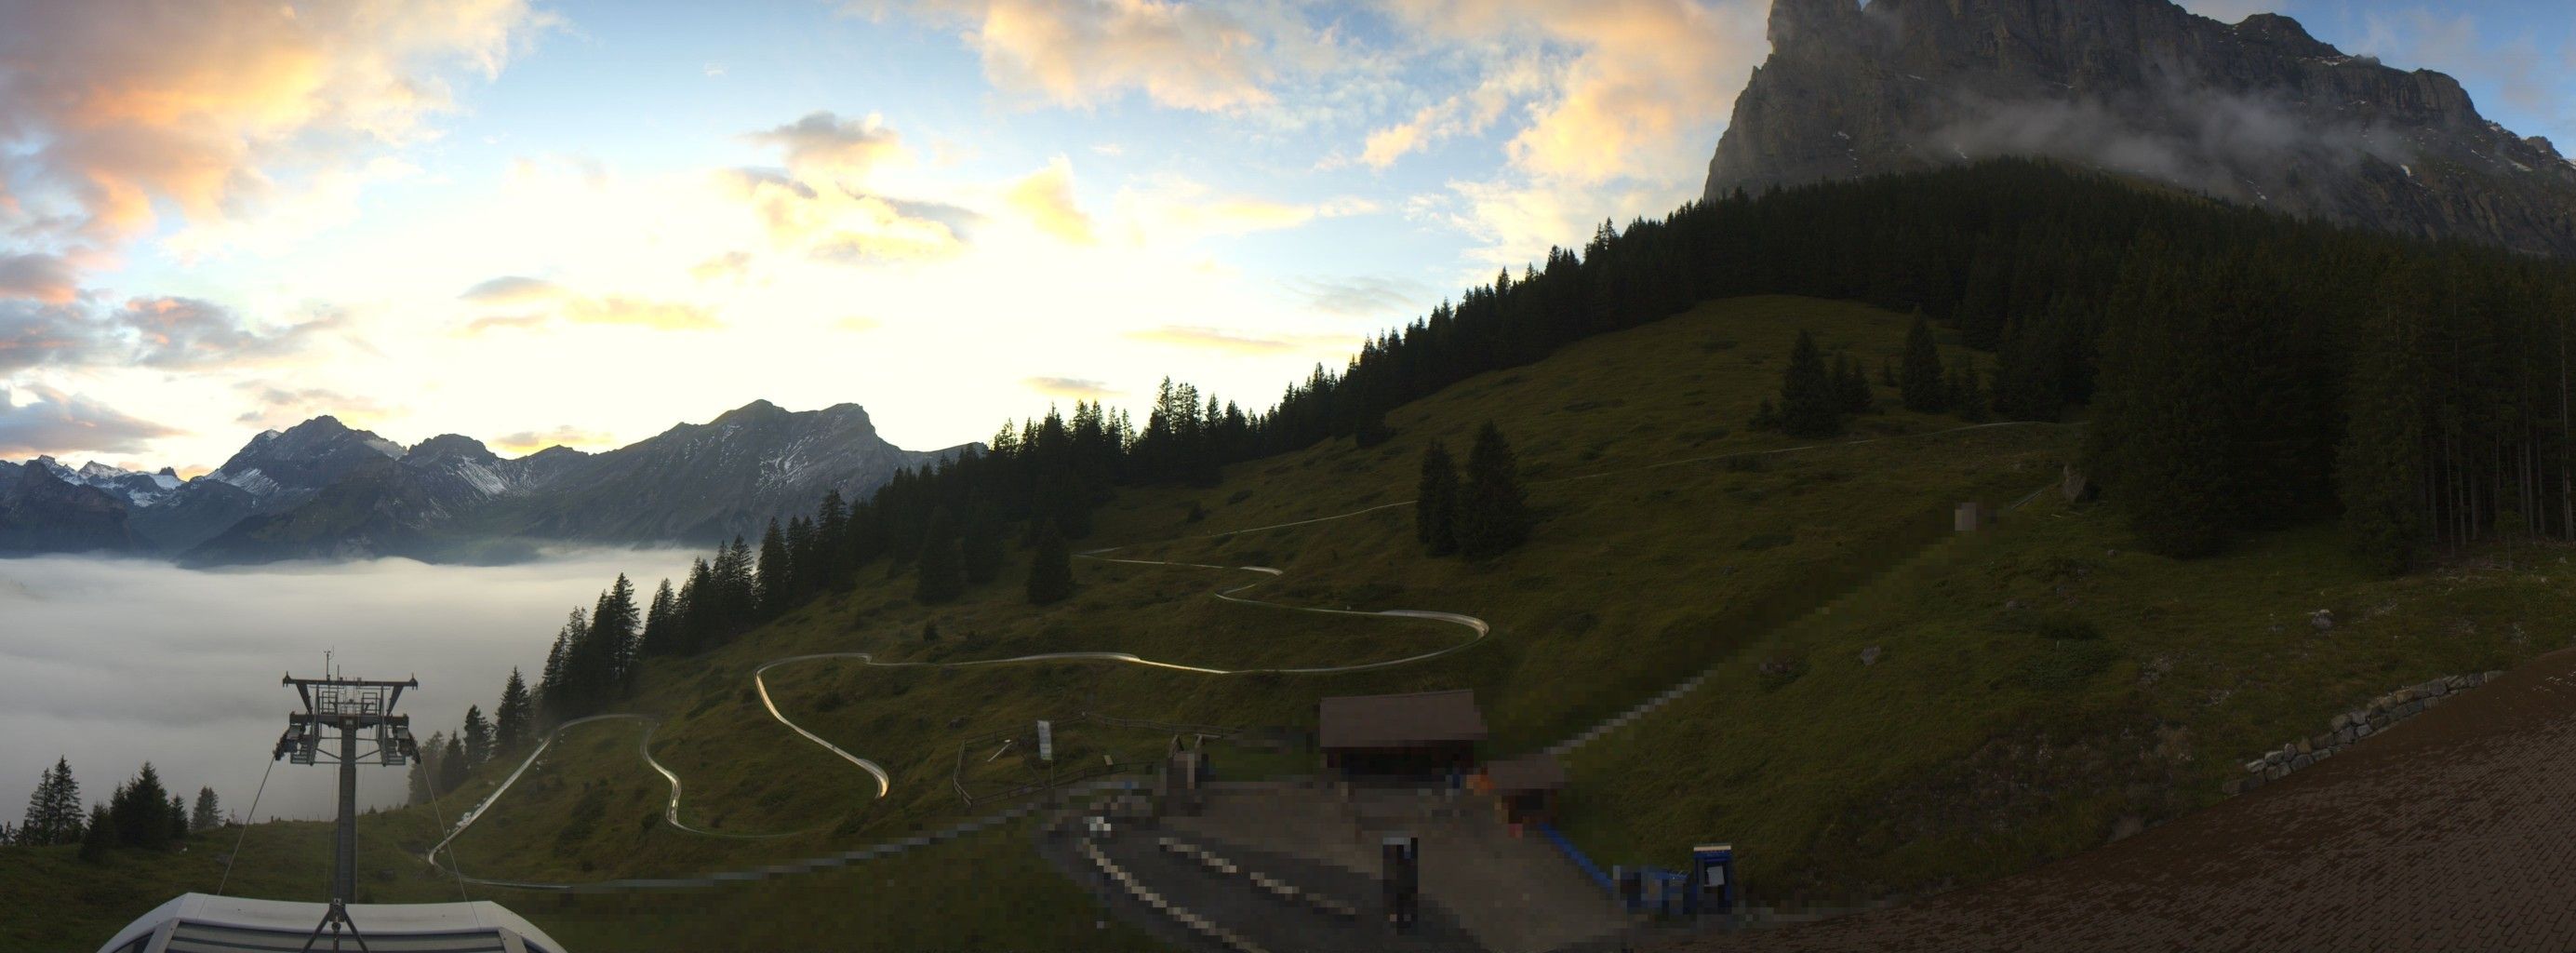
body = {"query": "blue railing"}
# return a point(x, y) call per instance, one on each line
point(1582, 862)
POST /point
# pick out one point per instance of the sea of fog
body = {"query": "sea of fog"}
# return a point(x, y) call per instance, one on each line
point(112, 663)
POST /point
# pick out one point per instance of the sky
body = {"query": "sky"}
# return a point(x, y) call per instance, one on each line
point(583, 222)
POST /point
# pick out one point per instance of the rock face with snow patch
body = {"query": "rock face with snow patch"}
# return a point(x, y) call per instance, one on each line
point(40, 512)
point(2257, 112)
point(321, 490)
point(704, 483)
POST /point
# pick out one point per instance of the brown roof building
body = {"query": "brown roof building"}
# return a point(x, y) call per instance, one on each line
point(1421, 733)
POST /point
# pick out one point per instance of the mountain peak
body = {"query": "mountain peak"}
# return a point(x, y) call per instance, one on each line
point(450, 446)
point(2259, 113)
point(756, 410)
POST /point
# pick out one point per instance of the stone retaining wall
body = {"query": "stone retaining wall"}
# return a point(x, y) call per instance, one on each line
point(2352, 726)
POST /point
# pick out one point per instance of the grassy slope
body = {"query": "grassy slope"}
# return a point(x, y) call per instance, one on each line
point(1976, 746)
point(1632, 582)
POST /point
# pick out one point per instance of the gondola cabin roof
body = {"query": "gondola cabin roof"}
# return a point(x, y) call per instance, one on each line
point(204, 923)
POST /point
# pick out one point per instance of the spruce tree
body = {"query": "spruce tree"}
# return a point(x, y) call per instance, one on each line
point(941, 577)
point(1435, 503)
point(178, 816)
point(140, 809)
point(1493, 515)
point(1923, 385)
point(980, 545)
point(98, 834)
point(1853, 386)
point(1809, 403)
point(2028, 385)
point(54, 809)
point(513, 721)
point(661, 624)
point(1050, 566)
point(452, 766)
point(776, 577)
point(209, 813)
point(478, 737)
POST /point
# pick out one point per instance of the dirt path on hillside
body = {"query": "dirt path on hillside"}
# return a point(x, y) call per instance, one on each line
point(2455, 830)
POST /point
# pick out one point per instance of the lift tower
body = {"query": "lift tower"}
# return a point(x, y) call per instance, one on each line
point(351, 707)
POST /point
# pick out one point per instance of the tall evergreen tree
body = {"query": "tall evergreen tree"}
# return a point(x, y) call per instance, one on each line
point(1852, 386)
point(777, 578)
point(941, 577)
point(478, 737)
point(209, 813)
point(1809, 403)
point(178, 816)
point(98, 834)
point(1435, 503)
point(1493, 514)
point(140, 809)
point(452, 766)
point(514, 720)
point(661, 633)
point(54, 812)
point(1924, 386)
point(1050, 567)
point(980, 545)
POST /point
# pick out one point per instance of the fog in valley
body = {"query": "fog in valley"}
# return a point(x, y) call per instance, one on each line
point(112, 663)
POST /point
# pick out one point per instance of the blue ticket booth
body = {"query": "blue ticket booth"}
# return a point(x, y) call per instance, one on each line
point(1713, 874)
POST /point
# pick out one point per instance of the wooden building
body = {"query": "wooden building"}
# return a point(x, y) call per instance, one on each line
point(1525, 789)
point(1420, 735)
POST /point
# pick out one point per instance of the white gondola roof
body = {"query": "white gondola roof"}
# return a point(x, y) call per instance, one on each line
point(204, 923)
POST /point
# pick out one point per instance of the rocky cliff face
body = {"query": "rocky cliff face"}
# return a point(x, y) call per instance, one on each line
point(2257, 112)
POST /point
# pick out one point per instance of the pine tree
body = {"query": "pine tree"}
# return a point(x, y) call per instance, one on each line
point(1809, 404)
point(514, 720)
point(178, 816)
point(2028, 385)
point(98, 834)
point(478, 737)
point(1493, 515)
point(1968, 393)
point(452, 766)
point(777, 578)
point(941, 577)
point(1924, 386)
point(209, 814)
point(661, 623)
point(1050, 567)
point(54, 809)
point(1852, 386)
point(140, 809)
point(980, 545)
point(1435, 503)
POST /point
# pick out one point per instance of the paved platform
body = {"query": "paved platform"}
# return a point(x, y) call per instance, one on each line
point(2455, 830)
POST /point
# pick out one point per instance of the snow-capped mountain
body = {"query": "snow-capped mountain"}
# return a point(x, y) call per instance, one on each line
point(135, 488)
point(323, 490)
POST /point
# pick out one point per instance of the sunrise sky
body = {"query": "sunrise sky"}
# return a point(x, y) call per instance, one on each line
point(580, 223)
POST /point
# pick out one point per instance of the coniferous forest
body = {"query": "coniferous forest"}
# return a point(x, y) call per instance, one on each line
point(2238, 371)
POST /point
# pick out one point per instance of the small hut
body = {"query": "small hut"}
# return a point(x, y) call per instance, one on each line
point(1419, 735)
point(1525, 789)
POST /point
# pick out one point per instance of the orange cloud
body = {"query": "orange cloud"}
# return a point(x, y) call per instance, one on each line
point(825, 146)
point(530, 441)
point(214, 106)
point(830, 223)
point(535, 301)
point(1185, 56)
point(1217, 339)
point(45, 278)
point(1077, 388)
point(1046, 198)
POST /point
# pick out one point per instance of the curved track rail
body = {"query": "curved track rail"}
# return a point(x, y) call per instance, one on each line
point(884, 780)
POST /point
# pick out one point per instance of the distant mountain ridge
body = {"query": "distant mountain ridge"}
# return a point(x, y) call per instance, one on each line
point(2257, 112)
point(323, 490)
